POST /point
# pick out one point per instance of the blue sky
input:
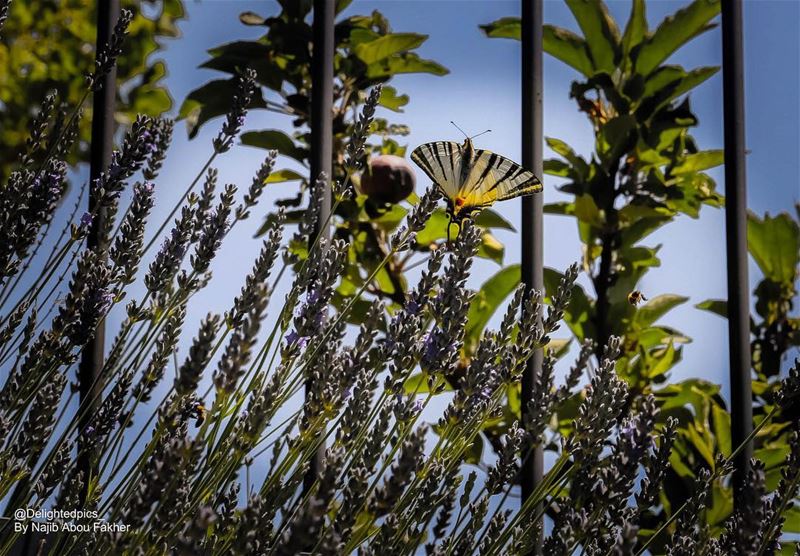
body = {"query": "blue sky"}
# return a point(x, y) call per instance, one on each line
point(482, 91)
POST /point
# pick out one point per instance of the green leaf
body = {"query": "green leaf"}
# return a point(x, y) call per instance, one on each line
point(792, 520)
point(503, 28)
point(488, 298)
point(211, 100)
point(387, 45)
point(488, 218)
point(774, 244)
point(280, 176)
point(568, 47)
point(656, 308)
point(435, 228)
point(673, 33)
point(577, 162)
point(717, 306)
point(404, 63)
point(391, 100)
point(599, 30)
point(697, 162)
point(664, 363)
point(491, 248)
point(722, 429)
point(636, 29)
point(273, 139)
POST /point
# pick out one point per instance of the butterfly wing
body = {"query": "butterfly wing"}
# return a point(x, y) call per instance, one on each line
point(496, 178)
point(441, 161)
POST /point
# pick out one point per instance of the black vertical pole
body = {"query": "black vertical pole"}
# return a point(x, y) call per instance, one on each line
point(100, 156)
point(321, 135)
point(736, 233)
point(532, 246)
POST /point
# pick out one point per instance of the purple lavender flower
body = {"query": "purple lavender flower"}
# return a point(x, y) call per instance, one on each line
point(418, 406)
point(104, 299)
point(293, 339)
point(86, 220)
point(430, 349)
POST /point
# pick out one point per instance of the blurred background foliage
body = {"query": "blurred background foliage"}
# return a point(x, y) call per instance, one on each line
point(48, 45)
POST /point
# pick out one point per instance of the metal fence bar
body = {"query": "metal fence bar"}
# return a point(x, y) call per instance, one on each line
point(736, 232)
point(321, 135)
point(102, 144)
point(532, 245)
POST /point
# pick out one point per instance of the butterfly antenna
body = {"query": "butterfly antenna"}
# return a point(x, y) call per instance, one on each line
point(481, 133)
point(459, 129)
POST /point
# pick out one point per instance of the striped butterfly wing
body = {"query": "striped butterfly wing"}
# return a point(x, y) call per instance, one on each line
point(496, 178)
point(441, 161)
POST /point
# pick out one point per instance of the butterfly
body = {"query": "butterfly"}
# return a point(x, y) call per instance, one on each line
point(472, 180)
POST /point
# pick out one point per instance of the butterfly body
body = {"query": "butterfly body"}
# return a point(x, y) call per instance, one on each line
point(472, 179)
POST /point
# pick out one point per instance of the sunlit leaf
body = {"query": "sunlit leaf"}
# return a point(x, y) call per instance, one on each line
point(675, 31)
point(600, 31)
point(391, 100)
point(404, 63)
point(697, 162)
point(656, 308)
point(568, 47)
point(489, 218)
point(387, 45)
point(774, 244)
point(491, 248)
point(503, 28)
point(636, 28)
point(280, 176)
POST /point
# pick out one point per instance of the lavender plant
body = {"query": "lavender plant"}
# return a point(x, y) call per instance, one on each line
point(214, 460)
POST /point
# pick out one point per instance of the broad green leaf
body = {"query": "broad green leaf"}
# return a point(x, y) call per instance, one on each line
point(487, 299)
point(491, 248)
point(674, 32)
point(435, 228)
point(722, 429)
point(636, 28)
point(721, 505)
point(273, 139)
point(774, 244)
point(792, 520)
point(503, 28)
point(280, 176)
point(560, 147)
point(391, 100)
point(664, 362)
point(599, 30)
point(387, 45)
point(656, 308)
point(489, 218)
point(211, 100)
point(561, 209)
point(568, 47)
point(234, 56)
point(555, 167)
point(716, 306)
point(404, 63)
point(697, 162)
